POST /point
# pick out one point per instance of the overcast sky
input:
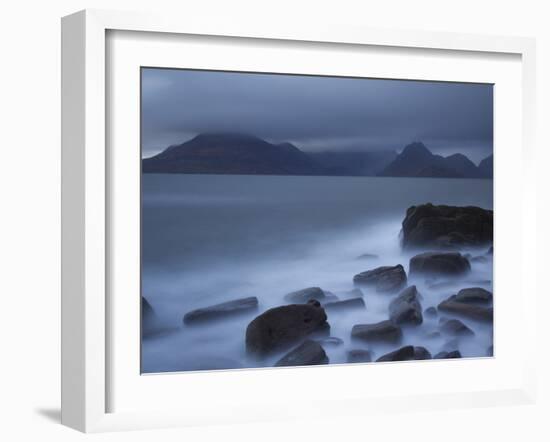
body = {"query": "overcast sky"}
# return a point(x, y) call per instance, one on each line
point(316, 113)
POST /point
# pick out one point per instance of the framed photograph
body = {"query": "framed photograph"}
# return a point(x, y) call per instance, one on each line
point(266, 222)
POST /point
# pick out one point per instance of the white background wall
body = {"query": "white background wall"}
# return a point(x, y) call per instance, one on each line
point(30, 221)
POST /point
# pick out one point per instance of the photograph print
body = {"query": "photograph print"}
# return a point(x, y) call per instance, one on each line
point(298, 220)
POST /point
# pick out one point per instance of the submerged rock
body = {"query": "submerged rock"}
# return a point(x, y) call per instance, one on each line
point(304, 295)
point(431, 311)
point(223, 310)
point(490, 251)
point(435, 263)
point(331, 340)
point(281, 327)
point(442, 226)
point(403, 354)
point(469, 310)
point(385, 331)
point(383, 279)
point(355, 356)
point(474, 295)
point(406, 309)
point(346, 304)
point(455, 327)
point(151, 325)
point(367, 256)
point(455, 354)
point(307, 353)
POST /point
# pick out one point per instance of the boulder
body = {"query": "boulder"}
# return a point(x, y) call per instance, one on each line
point(307, 353)
point(281, 327)
point(431, 311)
point(439, 263)
point(432, 226)
point(304, 295)
point(221, 311)
point(406, 353)
point(474, 295)
point(355, 356)
point(455, 354)
point(346, 304)
point(421, 353)
point(406, 309)
point(385, 331)
point(468, 310)
point(455, 327)
point(383, 279)
point(367, 256)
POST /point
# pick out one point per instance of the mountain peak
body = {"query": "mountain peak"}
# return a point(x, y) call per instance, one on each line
point(416, 148)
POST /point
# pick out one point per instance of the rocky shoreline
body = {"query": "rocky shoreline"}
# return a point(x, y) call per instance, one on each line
point(298, 332)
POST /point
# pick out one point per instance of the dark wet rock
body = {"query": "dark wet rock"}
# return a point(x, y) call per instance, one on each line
point(490, 251)
point(385, 331)
point(355, 356)
point(406, 309)
point(367, 256)
point(490, 351)
point(436, 263)
point(331, 341)
point(431, 311)
point(406, 353)
point(468, 310)
point(455, 354)
point(421, 353)
point(383, 279)
point(223, 310)
point(307, 353)
point(281, 327)
point(456, 327)
point(345, 305)
point(474, 295)
point(427, 225)
point(304, 295)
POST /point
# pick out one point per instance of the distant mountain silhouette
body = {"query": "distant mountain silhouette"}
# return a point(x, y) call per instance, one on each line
point(416, 160)
point(367, 163)
point(242, 154)
point(232, 153)
point(486, 167)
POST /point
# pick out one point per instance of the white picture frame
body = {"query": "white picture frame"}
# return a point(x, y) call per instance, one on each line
point(87, 204)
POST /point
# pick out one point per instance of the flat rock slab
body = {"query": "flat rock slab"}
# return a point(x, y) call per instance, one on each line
point(307, 353)
point(440, 264)
point(221, 311)
point(356, 356)
point(455, 327)
point(406, 308)
point(346, 304)
point(305, 295)
point(472, 311)
point(474, 295)
point(281, 327)
point(442, 226)
point(385, 331)
point(387, 279)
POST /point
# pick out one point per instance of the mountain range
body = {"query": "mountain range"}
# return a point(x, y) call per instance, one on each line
point(242, 154)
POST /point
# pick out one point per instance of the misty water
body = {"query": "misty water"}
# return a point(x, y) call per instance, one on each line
point(208, 239)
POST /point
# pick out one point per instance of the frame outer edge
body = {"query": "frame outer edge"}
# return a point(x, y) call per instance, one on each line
point(73, 80)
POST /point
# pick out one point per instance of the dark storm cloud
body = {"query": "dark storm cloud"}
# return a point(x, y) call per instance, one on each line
point(316, 113)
